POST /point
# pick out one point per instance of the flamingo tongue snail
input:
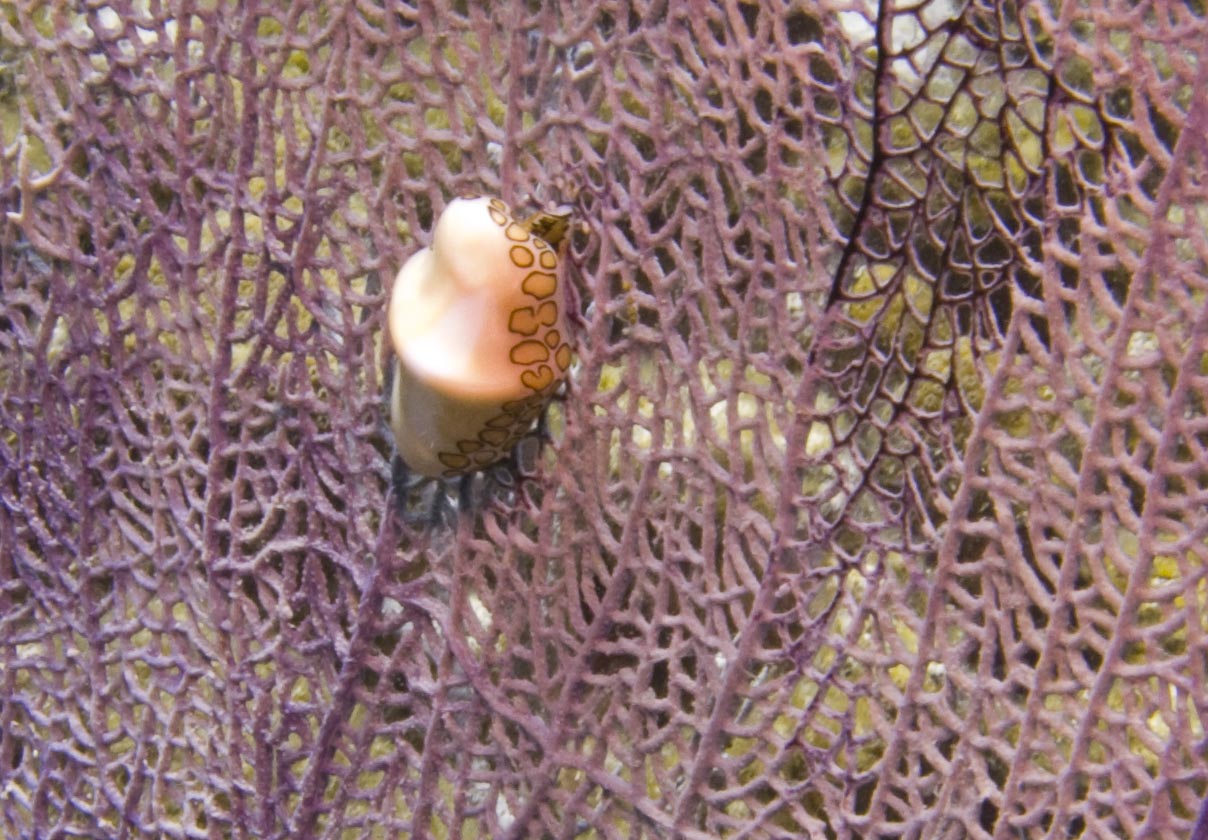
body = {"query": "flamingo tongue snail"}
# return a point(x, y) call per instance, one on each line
point(478, 323)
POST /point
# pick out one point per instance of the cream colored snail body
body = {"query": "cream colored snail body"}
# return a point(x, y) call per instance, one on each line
point(478, 323)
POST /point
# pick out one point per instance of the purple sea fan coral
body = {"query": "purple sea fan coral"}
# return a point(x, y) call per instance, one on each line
point(877, 509)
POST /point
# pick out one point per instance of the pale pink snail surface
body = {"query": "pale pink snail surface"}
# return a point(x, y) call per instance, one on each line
point(478, 323)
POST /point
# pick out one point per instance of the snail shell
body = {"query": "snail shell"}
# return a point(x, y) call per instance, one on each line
point(478, 325)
